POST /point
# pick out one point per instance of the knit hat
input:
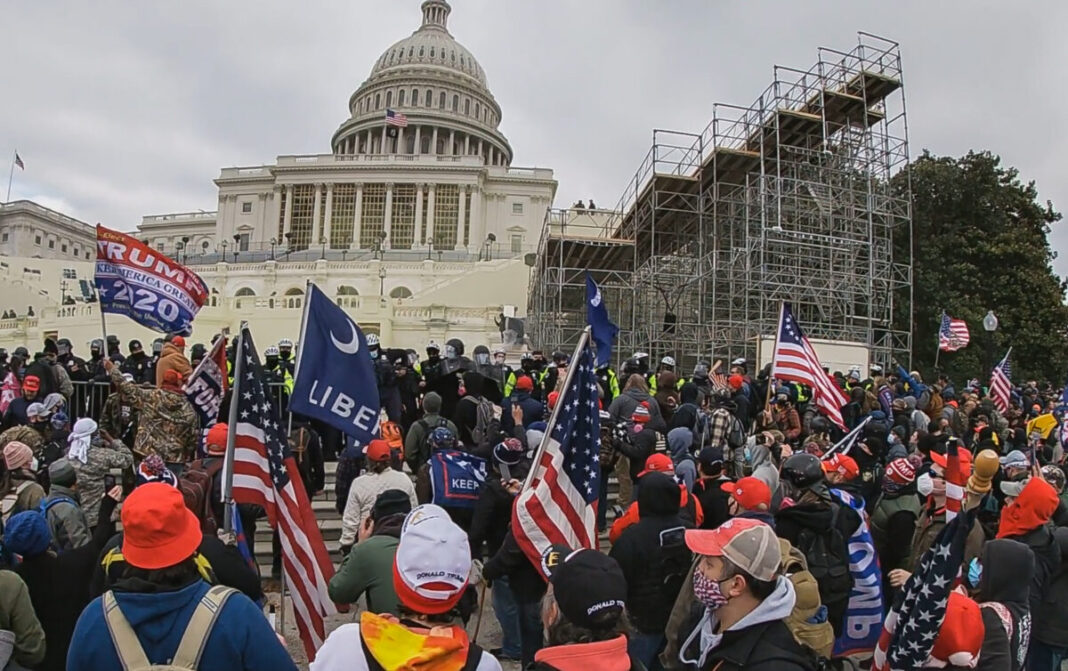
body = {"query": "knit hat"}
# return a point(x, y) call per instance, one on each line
point(750, 493)
point(154, 469)
point(391, 502)
point(900, 472)
point(31, 383)
point(61, 472)
point(17, 455)
point(961, 637)
point(27, 533)
point(158, 530)
point(432, 403)
point(524, 383)
point(432, 563)
point(215, 443)
point(641, 413)
point(50, 346)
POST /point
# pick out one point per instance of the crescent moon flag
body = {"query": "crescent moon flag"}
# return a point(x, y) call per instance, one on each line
point(335, 380)
point(604, 331)
point(135, 280)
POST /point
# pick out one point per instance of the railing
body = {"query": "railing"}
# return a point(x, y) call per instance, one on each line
point(263, 252)
point(206, 217)
point(47, 213)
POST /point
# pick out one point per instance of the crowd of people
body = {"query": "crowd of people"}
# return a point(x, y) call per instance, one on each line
point(731, 542)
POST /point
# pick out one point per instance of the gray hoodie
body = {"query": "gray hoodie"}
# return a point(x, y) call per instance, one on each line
point(679, 441)
point(764, 466)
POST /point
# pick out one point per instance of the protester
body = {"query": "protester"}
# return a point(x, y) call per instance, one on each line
point(94, 456)
point(1049, 639)
point(680, 442)
point(894, 517)
point(1005, 572)
point(416, 446)
point(750, 498)
point(16, 413)
point(1026, 518)
point(160, 596)
point(366, 488)
point(63, 512)
point(26, 648)
point(690, 511)
point(19, 490)
point(167, 423)
point(532, 409)
point(431, 569)
point(709, 487)
point(368, 568)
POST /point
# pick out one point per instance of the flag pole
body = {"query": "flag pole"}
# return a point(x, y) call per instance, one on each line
point(938, 349)
point(11, 176)
point(296, 356)
point(231, 433)
point(583, 339)
point(778, 330)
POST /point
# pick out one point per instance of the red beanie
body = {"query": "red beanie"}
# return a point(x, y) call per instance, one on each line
point(961, 637)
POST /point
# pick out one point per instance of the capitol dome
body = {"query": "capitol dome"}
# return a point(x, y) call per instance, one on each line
point(434, 91)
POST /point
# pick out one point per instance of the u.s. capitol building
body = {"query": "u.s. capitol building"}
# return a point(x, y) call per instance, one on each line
point(416, 222)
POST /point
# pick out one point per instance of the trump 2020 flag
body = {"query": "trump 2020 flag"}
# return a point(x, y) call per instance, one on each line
point(604, 331)
point(335, 380)
point(206, 387)
point(135, 280)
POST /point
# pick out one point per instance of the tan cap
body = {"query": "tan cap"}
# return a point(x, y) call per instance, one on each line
point(749, 544)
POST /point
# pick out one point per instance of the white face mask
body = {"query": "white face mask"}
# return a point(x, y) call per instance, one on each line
point(924, 484)
point(34, 465)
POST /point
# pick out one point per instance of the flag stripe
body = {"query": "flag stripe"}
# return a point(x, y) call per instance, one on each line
point(953, 334)
point(795, 360)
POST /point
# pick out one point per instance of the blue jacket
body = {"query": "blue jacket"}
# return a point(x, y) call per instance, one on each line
point(533, 410)
point(240, 639)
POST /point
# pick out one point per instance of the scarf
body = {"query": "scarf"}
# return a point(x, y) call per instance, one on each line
point(81, 436)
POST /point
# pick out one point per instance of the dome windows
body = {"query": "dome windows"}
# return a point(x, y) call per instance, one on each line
point(378, 100)
point(467, 107)
point(431, 52)
point(415, 97)
point(389, 98)
point(441, 100)
point(455, 103)
point(420, 52)
point(400, 98)
point(429, 98)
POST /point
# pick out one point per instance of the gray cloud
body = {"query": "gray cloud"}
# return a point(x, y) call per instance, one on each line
point(121, 110)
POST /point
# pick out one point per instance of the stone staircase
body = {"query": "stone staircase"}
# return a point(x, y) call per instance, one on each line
point(330, 522)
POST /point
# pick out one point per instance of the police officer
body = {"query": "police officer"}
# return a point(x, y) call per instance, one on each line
point(278, 378)
point(527, 368)
point(113, 350)
point(608, 382)
point(285, 355)
point(138, 364)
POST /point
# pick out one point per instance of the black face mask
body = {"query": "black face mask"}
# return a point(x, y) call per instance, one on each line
point(272, 361)
point(284, 355)
point(433, 356)
point(528, 365)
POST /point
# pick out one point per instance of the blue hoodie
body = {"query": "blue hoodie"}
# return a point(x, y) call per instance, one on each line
point(240, 639)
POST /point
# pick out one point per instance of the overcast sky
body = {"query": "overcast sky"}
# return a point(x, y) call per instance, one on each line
point(124, 109)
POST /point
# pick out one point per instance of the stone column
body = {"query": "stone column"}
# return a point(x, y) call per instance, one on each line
point(355, 242)
point(430, 214)
point(460, 218)
point(478, 227)
point(387, 223)
point(329, 212)
point(317, 212)
point(418, 140)
point(273, 212)
point(289, 211)
point(480, 150)
point(467, 144)
point(452, 143)
point(419, 239)
point(384, 139)
point(400, 141)
point(261, 213)
point(434, 141)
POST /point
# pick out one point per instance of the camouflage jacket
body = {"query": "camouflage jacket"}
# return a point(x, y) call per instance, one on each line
point(119, 419)
point(167, 424)
point(25, 434)
point(101, 458)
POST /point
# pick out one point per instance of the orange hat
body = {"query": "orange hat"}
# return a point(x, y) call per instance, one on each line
point(215, 443)
point(524, 383)
point(378, 450)
point(750, 493)
point(658, 463)
point(964, 457)
point(843, 464)
point(158, 530)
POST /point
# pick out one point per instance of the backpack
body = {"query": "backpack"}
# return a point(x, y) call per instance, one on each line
point(809, 629)
point(484, 419)
point(427, 430)
point(187, 657)
point(391, 433)
point(826, 562)
point(196, 485)
point(736, 434)
point(9, 504)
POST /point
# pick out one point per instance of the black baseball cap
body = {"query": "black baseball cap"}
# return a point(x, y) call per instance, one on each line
point(391, 502)
point(586, 584)
point(709, 456)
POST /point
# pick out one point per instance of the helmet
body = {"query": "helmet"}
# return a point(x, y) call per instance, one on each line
point(113, 340)
point(701, 369)
point(1052, 474)
point(134, 345)
point(63, 342)
point(559, 356)
point(819, 424)
point(456, 344)
point(802, 470)
point(21, 351)
point(640, 355)
point(876, 369)
point(499, 350)
point(740, 361)
point(157, 345)
point(271, 350)
point(481, 349)
point(285, 342)
point(668, 361)
point(509, 452)
point(631, 366)
point(372, 340)
point(526, 356)
point(198, 351)
point(442, 438)
point(432, 347)
point(96, 344)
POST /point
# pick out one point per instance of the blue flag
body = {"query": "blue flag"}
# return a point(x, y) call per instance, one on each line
point(864, 614)
point(604, 331)
point(456, 478)
point(205, 389)
point(335, 380)
point(1064, 395)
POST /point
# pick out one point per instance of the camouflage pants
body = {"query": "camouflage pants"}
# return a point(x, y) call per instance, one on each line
point(626, 487)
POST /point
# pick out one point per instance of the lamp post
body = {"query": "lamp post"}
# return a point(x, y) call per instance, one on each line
point(274, 241)
point(289, 244)
point(381, 281)
point(429, 247)
point(237, 245)
point(990, 324)
point(180, 247)
point(224, 246)
point(184, 247)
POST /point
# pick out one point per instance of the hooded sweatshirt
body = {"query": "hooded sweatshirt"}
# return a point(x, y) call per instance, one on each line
point(764, 466)
point(1025, 520)
point(610, 655)
point(1008, 567)
point(240, 639)
point(679, 442)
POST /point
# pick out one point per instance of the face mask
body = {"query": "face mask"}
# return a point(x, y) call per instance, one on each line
point(975, 572)
point(283, 354)
point(499, 359)
point(528, 365)
point(482, 359)
point(450, 352)
point(708, 592)
point(272, 361)
point(34, 464)
point(925, 484)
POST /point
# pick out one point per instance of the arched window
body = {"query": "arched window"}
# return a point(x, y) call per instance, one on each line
point(244, 291)
point(452, 54)
point(400, 98)
point(467, 107)
point(431, 52)
point(389, 98)
point(411, 51)
point(420, 52)
point(400, 292)
point(294, 298)
point(429, 98)
point(378, 100)
point(441, 100)
point(415, 97)
point(478, 110)
point(455, 103)
point(347, 297)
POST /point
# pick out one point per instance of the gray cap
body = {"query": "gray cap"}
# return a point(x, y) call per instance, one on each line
point(61, 472)
point(1015, 459)
point(749, 544)
point(1013, 488)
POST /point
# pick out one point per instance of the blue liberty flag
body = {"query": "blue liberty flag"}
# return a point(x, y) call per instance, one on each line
point(604, 331)
point(335, 380)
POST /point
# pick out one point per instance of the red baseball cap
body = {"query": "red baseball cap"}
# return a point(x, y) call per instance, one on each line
point(749, 544)
point(554, 396)
point(31, 383)
point(215, 443)
point(750, 493)
point(158, 530)
point(378, 450)
point(843, 464)
point(658, 463)
point(964, 457)
point(178, 341)
point(524, 383)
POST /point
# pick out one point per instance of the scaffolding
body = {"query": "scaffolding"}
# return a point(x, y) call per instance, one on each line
point(787, 199)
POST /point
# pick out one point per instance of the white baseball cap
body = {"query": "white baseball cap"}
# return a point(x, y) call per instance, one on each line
point(433, 561)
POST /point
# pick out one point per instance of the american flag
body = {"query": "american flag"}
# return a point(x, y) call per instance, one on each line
point(1000, 385)
point(18, 162)
point(266, 474)
point(396, 119)
point(912, 625)
point(559, 504)
point(953, 334)
point(794, 360)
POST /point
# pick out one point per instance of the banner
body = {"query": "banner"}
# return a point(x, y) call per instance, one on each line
point(864, 614)
point(205, 389)
point(135, 280)
point(456, 478)
point(603, 330)
point(335, 379)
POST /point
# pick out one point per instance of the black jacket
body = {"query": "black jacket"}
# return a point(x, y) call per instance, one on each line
point(653, 554)
point(1052, 627)
point(493, 514)
point(768, 646)
point(709, 493)
point(523, 578)
point(533, 410)
point(43, 370)
point(1047, 562)
point(1008, 567)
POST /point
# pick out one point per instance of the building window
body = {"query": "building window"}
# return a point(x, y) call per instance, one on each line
point(400, 292)
point(467, 218)
point(431, 52)
point(517, 208)
point(51, 244)
point(5, 236)
point(517, 244)
point(478, 110)
point(341, 216)
point(242, 242)
point(400, 98)
point(411, 51)
point(389, 98)
point(373, 214)
point(37, 240)
point(281, 218)
point(300, 218)
point(420, 52)
point(446, 213)
point(378, 100)
point(246, 207)
point(87, 256)
point(455, 103)
point(441, 100)
point(467, 107)
point(415, 97)
point(63, 248)
point(429, 98)
point(402, 226)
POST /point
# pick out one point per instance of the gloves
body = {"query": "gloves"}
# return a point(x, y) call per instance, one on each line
point(475, 576)
point(227, 537)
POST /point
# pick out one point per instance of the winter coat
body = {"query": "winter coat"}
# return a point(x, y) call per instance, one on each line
point(167, 425)
point(18, 617)
point(140, 367)
point(369, 568)
point(654, 560)
point(172, 358)
point(10, 389)
point(690, 512)
point(764, 467)
point(709, 493)
point(680, 442)
point(524, 579)
point(929, 525)
point(42, 369)
point(610, 655)
point(894, 519)
point(533, 410)
point(416, 451)
point(365, 489)
point(760, 641)
point(1008, 568)
point(1052, 627)
point(240, 639)
point(65, 518)
point(493, 514)
point(100, 459)
point(22, 493)
point(622, 408)
point(1026, 520)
